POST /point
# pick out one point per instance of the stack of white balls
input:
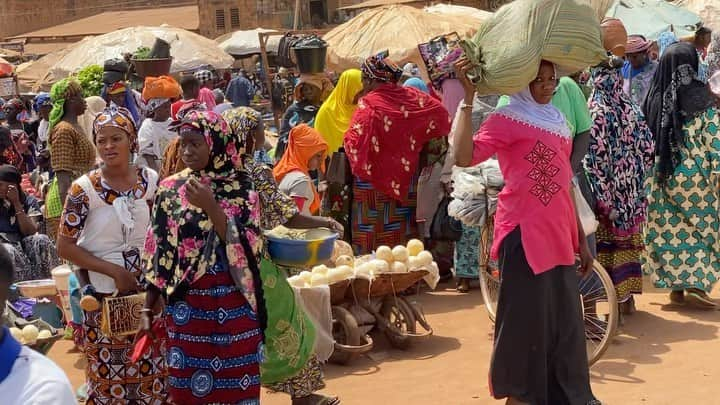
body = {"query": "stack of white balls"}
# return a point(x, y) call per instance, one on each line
point(400, 259)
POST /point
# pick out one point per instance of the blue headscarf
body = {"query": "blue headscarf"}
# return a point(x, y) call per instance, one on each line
point(42, 99)
point(664, 40)
point(417, 83)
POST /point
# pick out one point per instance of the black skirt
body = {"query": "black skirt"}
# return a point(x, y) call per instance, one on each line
point(540, 355)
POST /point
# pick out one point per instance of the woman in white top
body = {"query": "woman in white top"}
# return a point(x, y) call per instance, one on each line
point(154, 135)
point(102, 231)
point(306, 151)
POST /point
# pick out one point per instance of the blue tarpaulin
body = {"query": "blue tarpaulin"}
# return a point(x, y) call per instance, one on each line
point(653, 17)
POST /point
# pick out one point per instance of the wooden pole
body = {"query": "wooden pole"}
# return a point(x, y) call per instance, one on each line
point(268, 82)
point(296, 19)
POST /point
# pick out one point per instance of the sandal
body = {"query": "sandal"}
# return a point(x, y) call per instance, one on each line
point(317, 399)
point(677, 297)
point(463, 285)
point(627, 307)
point(699, 299)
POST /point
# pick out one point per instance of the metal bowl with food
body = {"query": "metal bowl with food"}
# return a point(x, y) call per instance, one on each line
point(300, 248)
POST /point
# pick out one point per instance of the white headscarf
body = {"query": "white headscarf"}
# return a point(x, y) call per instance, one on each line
point(524, 108)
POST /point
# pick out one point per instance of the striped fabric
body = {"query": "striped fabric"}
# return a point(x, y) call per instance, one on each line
point(380, 220)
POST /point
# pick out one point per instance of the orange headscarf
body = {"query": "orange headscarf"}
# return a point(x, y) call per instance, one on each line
point(304, 142)
point(161, 87)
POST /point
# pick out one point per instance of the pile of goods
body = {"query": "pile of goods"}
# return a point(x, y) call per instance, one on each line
point(400, 259)
point(30, 334)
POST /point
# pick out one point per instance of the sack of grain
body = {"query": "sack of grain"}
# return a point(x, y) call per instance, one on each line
point(507, 49)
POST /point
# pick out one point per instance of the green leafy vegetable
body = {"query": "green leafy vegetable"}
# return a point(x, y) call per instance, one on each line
point(90, 78)
point(142, 52)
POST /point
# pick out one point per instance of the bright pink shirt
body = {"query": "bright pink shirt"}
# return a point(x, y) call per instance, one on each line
point(536, 167)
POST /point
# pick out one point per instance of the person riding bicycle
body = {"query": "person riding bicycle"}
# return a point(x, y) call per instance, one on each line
point(540, 356)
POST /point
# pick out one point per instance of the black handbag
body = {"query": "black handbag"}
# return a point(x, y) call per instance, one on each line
point(444, 227)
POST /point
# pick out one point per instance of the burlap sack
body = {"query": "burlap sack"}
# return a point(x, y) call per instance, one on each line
point(507, 49)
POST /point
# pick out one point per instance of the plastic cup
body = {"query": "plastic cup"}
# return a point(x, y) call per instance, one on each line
point(61, 276)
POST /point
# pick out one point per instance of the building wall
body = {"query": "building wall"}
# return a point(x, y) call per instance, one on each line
point(19, 16)
point(218, 17)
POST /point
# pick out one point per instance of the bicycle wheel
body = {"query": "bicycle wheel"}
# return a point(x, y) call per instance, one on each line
point(600, 311)
point(489, 272)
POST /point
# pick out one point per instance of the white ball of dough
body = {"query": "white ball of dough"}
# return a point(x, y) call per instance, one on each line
point(380, 266)
point(16, 334)
point(415, 246)
point(400, 253)
point(30, 333)
point(44, 334)
point(318, 280)
point(399, 267)
point(384, 253)
point(321, 269)
point(344, 260)
point(425, 258)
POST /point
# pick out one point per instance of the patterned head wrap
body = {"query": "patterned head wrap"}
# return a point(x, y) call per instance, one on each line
point(116, 88)
point(224, 146)
point(243, 122)
point(159, 90)
point(203, 76)
point(59, 92)
point(118, 117)
point(42, 100)
point(675, 97)
point(380, 68)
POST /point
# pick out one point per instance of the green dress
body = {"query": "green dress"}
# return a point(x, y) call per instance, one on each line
point(682, 248)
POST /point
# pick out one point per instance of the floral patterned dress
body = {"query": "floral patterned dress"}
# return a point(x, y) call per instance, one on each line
point(215, 313)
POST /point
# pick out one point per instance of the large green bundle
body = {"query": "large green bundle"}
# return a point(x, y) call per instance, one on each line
point(507, 49)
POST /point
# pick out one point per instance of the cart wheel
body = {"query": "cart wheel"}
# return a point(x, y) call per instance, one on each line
point(346, 332)
point(402, 321)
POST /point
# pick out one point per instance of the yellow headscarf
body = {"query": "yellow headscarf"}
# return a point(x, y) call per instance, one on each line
point(333, 119)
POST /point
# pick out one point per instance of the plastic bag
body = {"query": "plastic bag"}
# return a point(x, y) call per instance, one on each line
point(563, 32)
point(585, 213)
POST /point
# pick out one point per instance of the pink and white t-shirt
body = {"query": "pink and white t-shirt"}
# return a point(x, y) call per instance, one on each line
point(536, 167)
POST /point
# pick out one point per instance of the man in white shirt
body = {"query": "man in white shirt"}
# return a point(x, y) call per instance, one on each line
point(26, 376)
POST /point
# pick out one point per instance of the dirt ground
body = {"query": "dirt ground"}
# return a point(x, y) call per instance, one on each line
point(664, 355)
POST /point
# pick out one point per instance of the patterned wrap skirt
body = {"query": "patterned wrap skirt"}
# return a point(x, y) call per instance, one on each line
point(378, 219)
point(112, 378)
point(620, 256)
point(214, 344)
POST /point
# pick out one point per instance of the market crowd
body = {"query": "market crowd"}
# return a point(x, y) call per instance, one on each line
point(167, 188)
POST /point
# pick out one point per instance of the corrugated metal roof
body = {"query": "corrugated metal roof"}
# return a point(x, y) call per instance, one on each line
point(185, 17)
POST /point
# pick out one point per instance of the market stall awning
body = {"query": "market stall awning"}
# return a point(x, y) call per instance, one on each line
point(653, 17)
point(397, 28)
point(189, 50)
point(241, 43)
point(459, 11)
point(708, 10)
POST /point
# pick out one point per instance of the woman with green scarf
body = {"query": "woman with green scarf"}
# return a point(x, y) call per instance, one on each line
point(71, 152)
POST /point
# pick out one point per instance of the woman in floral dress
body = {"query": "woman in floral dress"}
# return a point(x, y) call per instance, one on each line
point(619, 160)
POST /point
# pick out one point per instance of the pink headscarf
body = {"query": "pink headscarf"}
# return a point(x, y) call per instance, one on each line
point(207, 97)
